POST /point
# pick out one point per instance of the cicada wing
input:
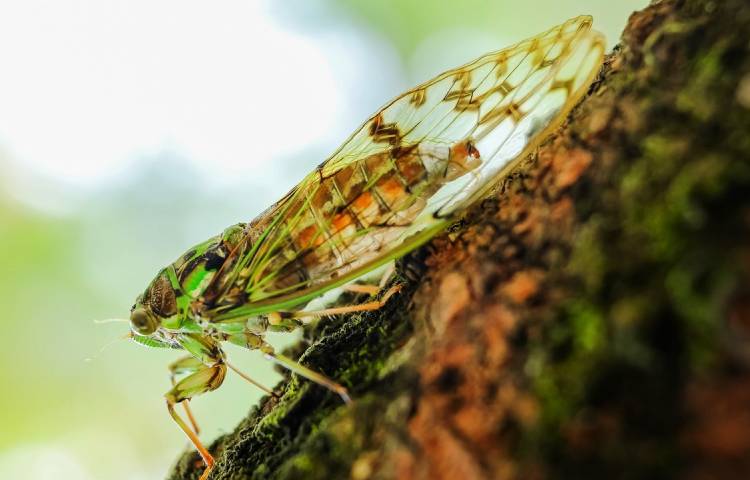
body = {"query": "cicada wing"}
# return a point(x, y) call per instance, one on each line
point(502, 104)
point(472, 100)
point(508, 116)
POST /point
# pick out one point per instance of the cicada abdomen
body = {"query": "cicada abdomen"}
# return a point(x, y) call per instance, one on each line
point(359, 210)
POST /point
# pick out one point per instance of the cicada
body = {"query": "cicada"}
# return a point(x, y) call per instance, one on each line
point(403, 176)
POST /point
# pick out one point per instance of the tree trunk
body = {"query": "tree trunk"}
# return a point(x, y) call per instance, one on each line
point(590, 319)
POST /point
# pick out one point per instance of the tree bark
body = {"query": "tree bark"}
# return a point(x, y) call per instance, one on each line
point(590, 319)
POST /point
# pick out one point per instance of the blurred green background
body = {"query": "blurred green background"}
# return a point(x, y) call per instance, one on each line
point(130, 131)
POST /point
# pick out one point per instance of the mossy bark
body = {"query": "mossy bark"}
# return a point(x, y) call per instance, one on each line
point(590, 319)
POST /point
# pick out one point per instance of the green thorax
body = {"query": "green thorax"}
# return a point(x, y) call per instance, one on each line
point(192, 273)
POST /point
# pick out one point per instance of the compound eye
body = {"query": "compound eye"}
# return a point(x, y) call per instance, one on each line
point(141, 322)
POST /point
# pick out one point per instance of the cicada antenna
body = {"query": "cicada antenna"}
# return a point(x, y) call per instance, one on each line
point(127, 336)
point(109, 320)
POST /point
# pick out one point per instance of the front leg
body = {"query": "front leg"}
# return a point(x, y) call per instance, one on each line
point(183, 366)
point(206, 373)
point(204, 379)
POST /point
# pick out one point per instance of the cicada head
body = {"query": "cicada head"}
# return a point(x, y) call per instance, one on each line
point(154, 307)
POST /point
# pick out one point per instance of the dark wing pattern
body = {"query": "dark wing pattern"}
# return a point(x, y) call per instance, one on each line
point(406, 171)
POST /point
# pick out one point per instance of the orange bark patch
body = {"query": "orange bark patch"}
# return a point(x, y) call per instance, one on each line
point(403, 464)
point(568, 166)
point(466, 396)
point(562, 211)
point(521, 287)
point(717, 439)
point(500, 324)
point(721, 420)
point(453, 297)
point(448, 458)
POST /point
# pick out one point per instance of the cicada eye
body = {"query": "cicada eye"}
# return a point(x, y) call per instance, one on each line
point(141, 322)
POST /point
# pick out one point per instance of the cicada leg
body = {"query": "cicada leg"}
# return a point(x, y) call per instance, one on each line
point(362, 307)
point(298, 368)
point(371, 289)
point(250, 380)
point(185, 365)
point(361, 288)
point(255, 342)
point(203, 379)
point(307, 373)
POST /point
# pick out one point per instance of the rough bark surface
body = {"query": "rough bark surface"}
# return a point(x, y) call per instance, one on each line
point(591, 319)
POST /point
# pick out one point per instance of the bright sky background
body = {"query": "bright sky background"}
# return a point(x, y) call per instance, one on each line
point(91, 87)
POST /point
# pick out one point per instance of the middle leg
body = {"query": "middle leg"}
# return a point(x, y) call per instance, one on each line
point(362, 307)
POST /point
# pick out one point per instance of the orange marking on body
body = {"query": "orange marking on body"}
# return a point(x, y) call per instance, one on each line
point(362, 202)
point(464, 150)
point(365, 209)
point(411, 169)
point(304, 237)
point(390, 189)
point(340, 222)
point(307, 237)
point(459, 150)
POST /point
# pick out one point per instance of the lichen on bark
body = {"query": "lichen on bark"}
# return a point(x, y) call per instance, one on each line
point(589, 319)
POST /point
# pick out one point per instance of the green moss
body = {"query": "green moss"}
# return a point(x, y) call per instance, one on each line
point(568, 354)
point(588, 262)
point(588, 327)
point(706, 71)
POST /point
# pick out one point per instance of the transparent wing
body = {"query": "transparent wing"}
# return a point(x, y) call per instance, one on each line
point(475, 98)
point(402, 175)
